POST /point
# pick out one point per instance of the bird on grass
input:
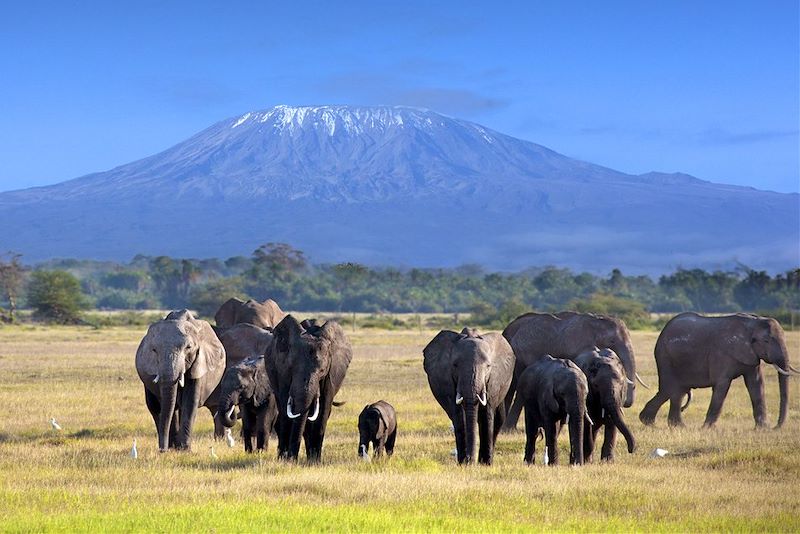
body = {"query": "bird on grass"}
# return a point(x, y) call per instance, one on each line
point(134, 452)
point(213, 454)
point(229, 438)
point(53, 424)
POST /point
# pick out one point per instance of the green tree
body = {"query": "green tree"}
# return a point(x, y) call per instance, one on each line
point(11, 273)
point(55, 296)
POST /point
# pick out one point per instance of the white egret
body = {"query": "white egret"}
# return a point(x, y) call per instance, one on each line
point(134, 452)
point(55, 425)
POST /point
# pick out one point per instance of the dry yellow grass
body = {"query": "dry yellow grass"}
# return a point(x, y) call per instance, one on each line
point(729, 478)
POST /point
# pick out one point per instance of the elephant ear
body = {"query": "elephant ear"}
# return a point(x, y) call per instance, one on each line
point(756, 345)
point(146, 359)
point(262, 390)
point(438, 364)
point(502, 363)
point(285, 332)
point(384, 415)
point(210, 352)
point(341, 352)
point(225, 315)
point(179, 315)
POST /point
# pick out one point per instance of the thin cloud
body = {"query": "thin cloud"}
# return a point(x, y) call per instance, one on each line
point(724, 137)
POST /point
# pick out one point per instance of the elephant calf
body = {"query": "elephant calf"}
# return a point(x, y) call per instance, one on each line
point(246, 385)
point(377, 424)
point(553, 392)
point(608, 386)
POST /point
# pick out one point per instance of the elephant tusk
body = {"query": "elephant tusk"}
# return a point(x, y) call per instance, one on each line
point(639, 378)
point(602, 413)
point(459, 399)
point(155, 380)
point(546, 459)
point(289, 412)
point(589, 419)
point(781, 371)
point(792, 369)
point(229, 413)
point(313, 417)
point(630, 382)
point(181, 380)
point(482, 400)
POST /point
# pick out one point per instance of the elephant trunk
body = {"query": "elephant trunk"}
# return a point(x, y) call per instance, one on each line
point(169, 395)
point(227, 408)
point(615, 413)
point(625, 355)
point(783, 385)
point(576, 420)
point(471, 430)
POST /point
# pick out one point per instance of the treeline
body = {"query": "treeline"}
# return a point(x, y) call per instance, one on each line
point(280, 272)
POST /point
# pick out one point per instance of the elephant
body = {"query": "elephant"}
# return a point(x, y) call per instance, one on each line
point(695, 351)
point(306, 367)
point(607, 385)
point(246, 385)
point(566, 334)
point(262, 314)
point(180, 362)
point(554, 391)
point(377, 424)
point(469, 375)
point(241, 341)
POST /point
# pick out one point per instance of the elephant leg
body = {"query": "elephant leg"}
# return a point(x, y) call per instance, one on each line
point(461, 434)
point(284, 434)
point(609, 440)
point(499, 420)
point(718, 394)
point(486, 434)
point(390, 442)
point(153, 405)
point(262, 432)
point(531, 433)
point(189, 401)
point(550, 439)
point(377, 446)
point(675, 399)
point(315, 433)
point(173, 430)
point(754, 381)
point(513, 414)
point(219, 428)
point(648, 414)
point(248, 423)
point(589, 434)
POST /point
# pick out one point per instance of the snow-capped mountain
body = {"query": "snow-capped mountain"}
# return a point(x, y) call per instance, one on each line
point(394, 185)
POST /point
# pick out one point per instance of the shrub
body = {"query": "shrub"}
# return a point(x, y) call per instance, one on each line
point(632, 312)
point(55, 296)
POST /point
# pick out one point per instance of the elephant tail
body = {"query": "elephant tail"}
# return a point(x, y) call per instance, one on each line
point(688, 400)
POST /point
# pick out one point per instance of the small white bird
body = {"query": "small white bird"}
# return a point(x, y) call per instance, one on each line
point(546, 459)
point(213, 454)
point(134, 452)
point(454, 452)
point(229, 438)
point(659, 453)
point(55, 425)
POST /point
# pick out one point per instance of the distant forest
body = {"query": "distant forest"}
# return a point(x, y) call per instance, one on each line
point(282, 273)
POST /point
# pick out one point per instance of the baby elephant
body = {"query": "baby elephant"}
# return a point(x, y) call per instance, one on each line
point(608, 387)
point(377, 424)
point(554, 393)
point(247, 385)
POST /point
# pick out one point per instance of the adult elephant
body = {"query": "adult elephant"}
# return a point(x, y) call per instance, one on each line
point(469, 375)
point(262, 314)
point(566, 334)
point(241, 341)
point(180, 362)
point(306, 366)
point(694, 351)
point(607, 385)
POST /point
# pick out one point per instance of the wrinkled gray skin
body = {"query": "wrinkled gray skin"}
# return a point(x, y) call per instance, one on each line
point(565, 334)
point(262, 314)
point(180, 362)
point(306, 366)
point(607, 384)
point(246, 385)
point(553, 391)
point(377, 424)
point(694, 351)
point(469, 375)
point(241, 341)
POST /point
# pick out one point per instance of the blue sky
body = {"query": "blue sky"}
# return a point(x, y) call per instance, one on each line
point(707, 88)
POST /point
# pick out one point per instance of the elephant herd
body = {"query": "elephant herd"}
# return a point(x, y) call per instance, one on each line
point(565, 369)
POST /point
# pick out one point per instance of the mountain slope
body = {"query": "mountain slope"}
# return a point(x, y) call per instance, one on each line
point(387, 185)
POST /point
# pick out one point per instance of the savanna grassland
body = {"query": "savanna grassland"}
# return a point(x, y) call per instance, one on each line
point(82, 479)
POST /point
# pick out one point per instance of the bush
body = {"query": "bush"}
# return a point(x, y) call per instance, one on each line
point(55, 297)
